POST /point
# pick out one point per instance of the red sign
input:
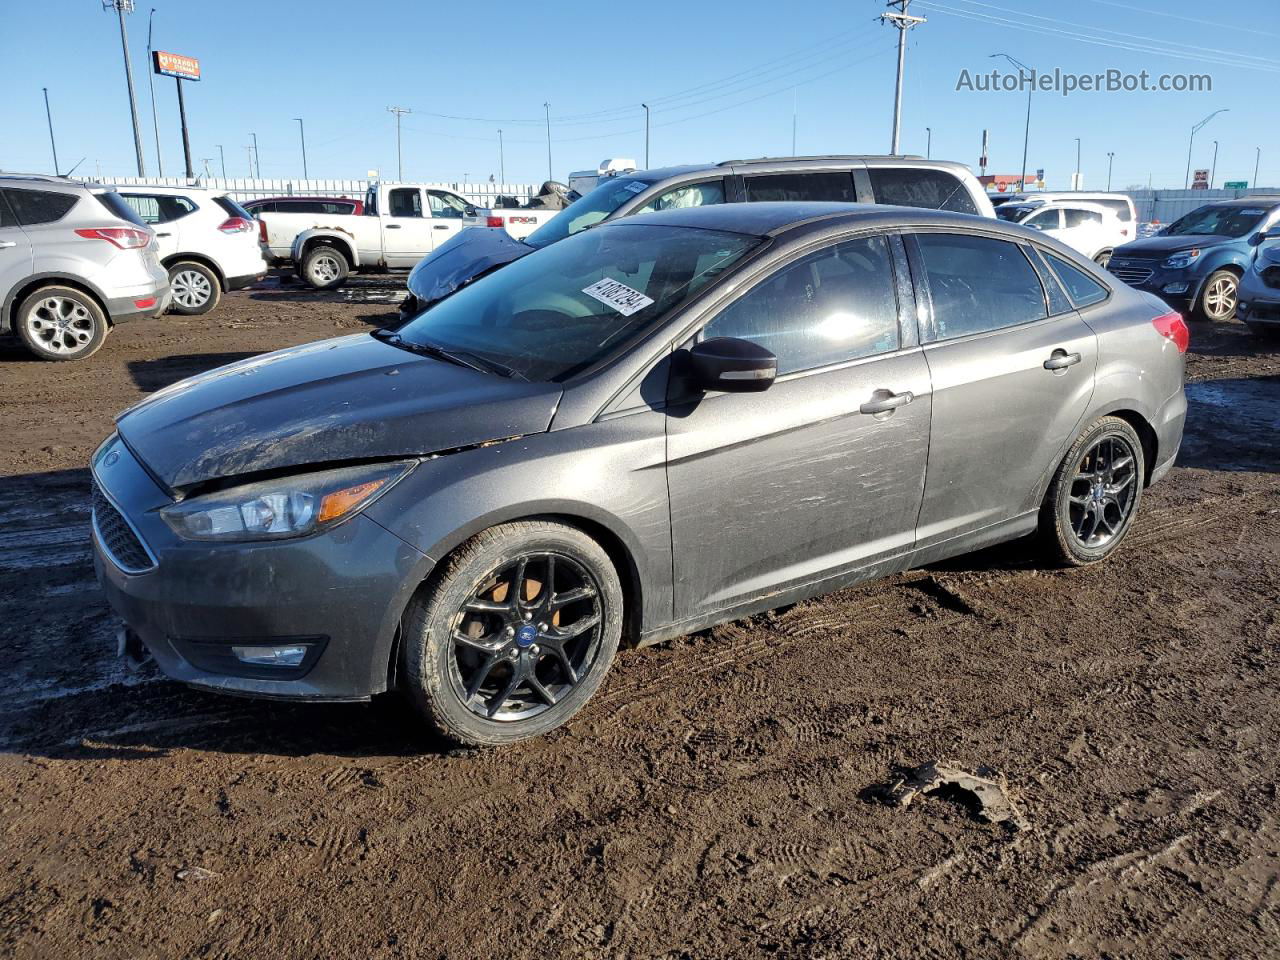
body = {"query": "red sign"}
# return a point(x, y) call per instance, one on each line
point(176, 65)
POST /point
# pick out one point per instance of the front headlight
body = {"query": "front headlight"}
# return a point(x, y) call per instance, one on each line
point(1184, 259)
point(283, 508)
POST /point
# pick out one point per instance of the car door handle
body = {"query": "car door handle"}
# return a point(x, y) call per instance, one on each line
point(1060, 360)
point(440, 226)
point(393, 226)
point(164, 234)
point(5, 244)
point(886, 401)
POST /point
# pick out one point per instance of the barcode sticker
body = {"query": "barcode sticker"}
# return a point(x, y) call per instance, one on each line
point(613, 293)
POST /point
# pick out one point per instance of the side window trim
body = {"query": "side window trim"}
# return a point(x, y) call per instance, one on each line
point(1042, 256)
point(908, 307)
point(661, 190)
point(696, 334)
point(1056, 306)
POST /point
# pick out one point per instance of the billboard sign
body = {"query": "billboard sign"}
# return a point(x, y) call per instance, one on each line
point(1200, 180)
point(176, 65)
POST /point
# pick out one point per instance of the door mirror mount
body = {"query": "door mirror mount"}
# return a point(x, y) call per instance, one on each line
point(731, 365)
point(1261, 237)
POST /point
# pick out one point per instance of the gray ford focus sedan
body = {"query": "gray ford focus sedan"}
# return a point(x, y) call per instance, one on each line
point(648, 428)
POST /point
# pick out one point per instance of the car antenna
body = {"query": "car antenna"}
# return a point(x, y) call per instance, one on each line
point(73, 169)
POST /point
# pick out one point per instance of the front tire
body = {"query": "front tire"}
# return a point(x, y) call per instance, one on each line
point(196, 288)
point(1103, 259)
point(1218, 297)
point(1094, 495)
point(325, 268)
point(515, 635)
point(61, 323)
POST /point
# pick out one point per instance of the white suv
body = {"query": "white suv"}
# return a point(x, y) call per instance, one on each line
point(74, 261)
point(1090, 228)
point(208, 242)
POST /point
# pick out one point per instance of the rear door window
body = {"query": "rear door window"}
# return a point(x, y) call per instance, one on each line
point(978, 284)
point(908, 187)
point(1081, 287)
point(34, 207)
point(1044, 220)
point(159, 208)
point(801, 186)
point(1076, 217)
point(257, 208)
point(834, 305)
point(405, 202)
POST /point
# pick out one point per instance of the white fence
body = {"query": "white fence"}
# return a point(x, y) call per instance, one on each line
point(1165, 206)
point(481, 193)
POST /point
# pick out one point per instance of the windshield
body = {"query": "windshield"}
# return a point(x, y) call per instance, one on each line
point(1223, 221)
point(1013, 211)
point(587, 211)
point(564, 308)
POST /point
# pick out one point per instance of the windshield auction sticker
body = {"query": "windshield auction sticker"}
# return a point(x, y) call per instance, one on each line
point(618, 295)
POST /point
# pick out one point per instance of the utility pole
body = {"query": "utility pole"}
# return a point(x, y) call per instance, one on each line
point(206, 161)
point(257, 158)
point(1076, 185)
point(502, 163)
point(904, 22)
point(121, 7)
point(795, 105)
point(1191, 142)
point(1110, 158)
point(928, 143)
point(151, 81)
point(1213, 169)
point(547, 107)
point(399, 112)
point(302, 132)
point(1026, 132)
point(223, 156)
point(646, 136)
point(248, 149)
point(52, 142)
point(1257, 159)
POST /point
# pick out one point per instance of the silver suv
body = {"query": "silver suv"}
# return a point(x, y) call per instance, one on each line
point(74, 261)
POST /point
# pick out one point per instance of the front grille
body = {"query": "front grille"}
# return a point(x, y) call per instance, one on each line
point(117, 537)
point(1130, 275)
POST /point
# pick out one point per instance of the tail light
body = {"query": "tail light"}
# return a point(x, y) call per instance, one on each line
point(126, 238)
point(236, 225)
point(1171, 326)
point(493, 221)
point(262, 230)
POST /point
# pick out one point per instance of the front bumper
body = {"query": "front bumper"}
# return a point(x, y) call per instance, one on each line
point(1178, 288)
point(1259, 302)
point(339, 594)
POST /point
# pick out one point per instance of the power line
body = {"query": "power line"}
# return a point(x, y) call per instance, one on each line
point(1216, 24)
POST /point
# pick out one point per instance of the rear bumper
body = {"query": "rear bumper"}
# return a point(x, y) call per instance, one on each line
point(1170, 421)
point(139, 307)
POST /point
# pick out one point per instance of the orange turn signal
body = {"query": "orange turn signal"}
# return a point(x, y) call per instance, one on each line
point(341, 502)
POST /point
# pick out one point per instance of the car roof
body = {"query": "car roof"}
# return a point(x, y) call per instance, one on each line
point(769, 218)
point(167, 190)
point(777, 164)
point(1265, 199)
point(299, 196)
point(44, 180)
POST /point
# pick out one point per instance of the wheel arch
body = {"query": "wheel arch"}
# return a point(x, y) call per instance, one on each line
point(339, 243)
point(1145, 431)
point(20, 293)
point(174, 259)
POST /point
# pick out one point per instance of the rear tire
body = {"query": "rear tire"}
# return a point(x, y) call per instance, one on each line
point(61, 323)
point(1217, 300)
point(325, 268)
point(196, 288)
point(1094, 495)
point(515, 635)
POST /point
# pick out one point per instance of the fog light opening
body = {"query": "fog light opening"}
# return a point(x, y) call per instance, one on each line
point(290, 656)
point(1175, 288)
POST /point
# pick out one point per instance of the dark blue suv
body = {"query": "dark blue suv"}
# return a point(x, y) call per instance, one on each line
point(1195, 263)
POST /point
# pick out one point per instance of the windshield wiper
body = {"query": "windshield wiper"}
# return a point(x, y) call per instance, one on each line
point(459, 358)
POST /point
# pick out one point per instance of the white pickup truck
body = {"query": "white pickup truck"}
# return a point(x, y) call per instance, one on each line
point(400, 224)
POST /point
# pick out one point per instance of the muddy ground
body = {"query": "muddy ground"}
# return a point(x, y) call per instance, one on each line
point(713, 800)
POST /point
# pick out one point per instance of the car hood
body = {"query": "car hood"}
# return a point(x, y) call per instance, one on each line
point(465, 256)
point(347, 399)
point(1164, 246)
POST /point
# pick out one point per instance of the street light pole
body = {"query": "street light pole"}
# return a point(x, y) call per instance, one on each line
point(547, 107)
point(1191, 142)
point(1026, 133)
point(121, 7)
point(52, 142)
point(302, 132)
point(151, 82)
point(646, 135)
point(1076, 186)
point(223, 156)
point(904, 22)
point(1213, 168)
point(502, 162)
point(257, 158)
point(1257, 159)
point(1110, 158)
point(928, 143)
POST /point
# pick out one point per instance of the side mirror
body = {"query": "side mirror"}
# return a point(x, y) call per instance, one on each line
point(470, 210)
point(730, 365)
point(1259, 238)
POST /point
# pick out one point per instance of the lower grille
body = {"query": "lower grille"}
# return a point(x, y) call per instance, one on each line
point(117, 537)
point(1131, 275)
point(1271, 276)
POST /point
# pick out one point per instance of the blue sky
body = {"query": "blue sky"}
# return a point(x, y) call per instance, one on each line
point(720, 86)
